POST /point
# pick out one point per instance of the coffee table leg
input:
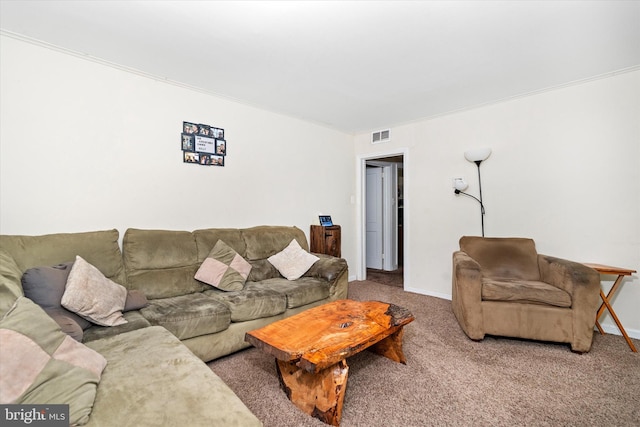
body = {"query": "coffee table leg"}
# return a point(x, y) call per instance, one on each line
point(391, 347)
point(319, 394)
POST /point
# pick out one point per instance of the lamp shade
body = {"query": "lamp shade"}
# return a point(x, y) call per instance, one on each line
point(477, 154)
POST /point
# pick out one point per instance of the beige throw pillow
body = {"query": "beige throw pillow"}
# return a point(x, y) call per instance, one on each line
point(91, 295)
point(224, 268)
point(41, 364)
point(293, 261)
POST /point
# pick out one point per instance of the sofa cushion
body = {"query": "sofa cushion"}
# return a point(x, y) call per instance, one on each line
point(299, 292)
point(92, 296)
point(154, 380)
point(100, 248)
point(224, 268)
point(188, 316)
point(503, 257)
point(293, 261)
point(524, 291)
point(10, 275)
point(207, 238)
point(40, 364)
point(161, 263)
point(253, 302)
point(266, 240)
point(135, 320)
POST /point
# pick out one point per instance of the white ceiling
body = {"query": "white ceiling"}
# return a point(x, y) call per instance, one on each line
point(351, 65)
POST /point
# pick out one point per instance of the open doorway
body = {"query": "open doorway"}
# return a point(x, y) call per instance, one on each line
point(383, 219)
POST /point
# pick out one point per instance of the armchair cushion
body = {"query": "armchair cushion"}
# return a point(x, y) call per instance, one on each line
point(524, 291)
point(509, 258)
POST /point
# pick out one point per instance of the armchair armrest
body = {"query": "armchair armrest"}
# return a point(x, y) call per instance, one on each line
point(572, 277)
point(327, 267)
point(466, 295)
point(583, 284)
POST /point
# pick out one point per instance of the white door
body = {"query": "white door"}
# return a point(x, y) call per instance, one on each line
point(374, 222)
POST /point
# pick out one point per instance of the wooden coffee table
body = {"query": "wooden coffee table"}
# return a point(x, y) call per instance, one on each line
point(311, 347)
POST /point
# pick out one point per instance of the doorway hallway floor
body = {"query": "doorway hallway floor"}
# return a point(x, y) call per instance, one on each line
point(390, 278)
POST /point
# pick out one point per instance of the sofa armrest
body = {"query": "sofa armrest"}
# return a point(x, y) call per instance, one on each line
point(327, 267)
point(466, 298)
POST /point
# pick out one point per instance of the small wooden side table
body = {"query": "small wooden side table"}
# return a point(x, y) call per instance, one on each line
point(606, 299)
point(325, 240)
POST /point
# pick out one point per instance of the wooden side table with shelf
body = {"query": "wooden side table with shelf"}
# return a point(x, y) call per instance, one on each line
point(325, 240)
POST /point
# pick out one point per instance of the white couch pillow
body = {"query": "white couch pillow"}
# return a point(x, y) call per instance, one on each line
point(91, 295)
point(293, 261)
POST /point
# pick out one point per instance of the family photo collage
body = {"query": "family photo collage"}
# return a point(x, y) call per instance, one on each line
point(203, 144)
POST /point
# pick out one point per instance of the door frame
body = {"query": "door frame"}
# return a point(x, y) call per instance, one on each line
point(389, 198)
point(361, 170)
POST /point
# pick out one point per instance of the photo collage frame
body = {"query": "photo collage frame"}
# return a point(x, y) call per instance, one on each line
point(203, 144)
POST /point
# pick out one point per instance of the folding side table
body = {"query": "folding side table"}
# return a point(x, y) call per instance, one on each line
point(606, 299)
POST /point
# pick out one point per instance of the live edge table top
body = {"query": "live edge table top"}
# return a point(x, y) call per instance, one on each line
point(322, 336)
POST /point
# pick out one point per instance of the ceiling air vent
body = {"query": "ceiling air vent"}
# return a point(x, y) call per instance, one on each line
point(380, 136)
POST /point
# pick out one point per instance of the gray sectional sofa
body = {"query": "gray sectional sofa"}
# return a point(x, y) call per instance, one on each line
point(154, 372)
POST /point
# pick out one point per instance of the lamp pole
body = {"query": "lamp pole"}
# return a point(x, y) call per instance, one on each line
point(476, 156)
point(477, 162)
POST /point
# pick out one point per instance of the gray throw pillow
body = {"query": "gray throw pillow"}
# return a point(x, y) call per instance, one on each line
point(45, 286)
point(67, 323)
point(135, 300)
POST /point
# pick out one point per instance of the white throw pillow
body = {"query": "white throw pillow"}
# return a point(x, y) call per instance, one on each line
point(293, 261)
point(91, 295)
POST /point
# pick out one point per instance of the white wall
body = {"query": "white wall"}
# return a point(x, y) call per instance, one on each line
point(565, 171)
point(85, 146)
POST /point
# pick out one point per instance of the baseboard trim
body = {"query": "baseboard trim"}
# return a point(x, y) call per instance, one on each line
point(429, 293)
point(613, 330)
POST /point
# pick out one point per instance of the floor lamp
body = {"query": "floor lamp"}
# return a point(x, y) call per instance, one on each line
point(476, 156)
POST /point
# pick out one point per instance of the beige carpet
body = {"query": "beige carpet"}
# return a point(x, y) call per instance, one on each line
point(450, 380)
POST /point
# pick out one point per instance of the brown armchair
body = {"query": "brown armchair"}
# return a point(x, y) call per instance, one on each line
point(502, 286)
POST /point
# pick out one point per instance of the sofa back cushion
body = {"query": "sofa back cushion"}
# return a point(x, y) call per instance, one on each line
point(161, 263)
point(10, 287)
point(503, 257)
point(266, 240)
point(99, 248)
point(206, 239)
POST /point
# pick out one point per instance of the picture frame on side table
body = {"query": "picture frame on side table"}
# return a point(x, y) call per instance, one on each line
point(325, 220)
